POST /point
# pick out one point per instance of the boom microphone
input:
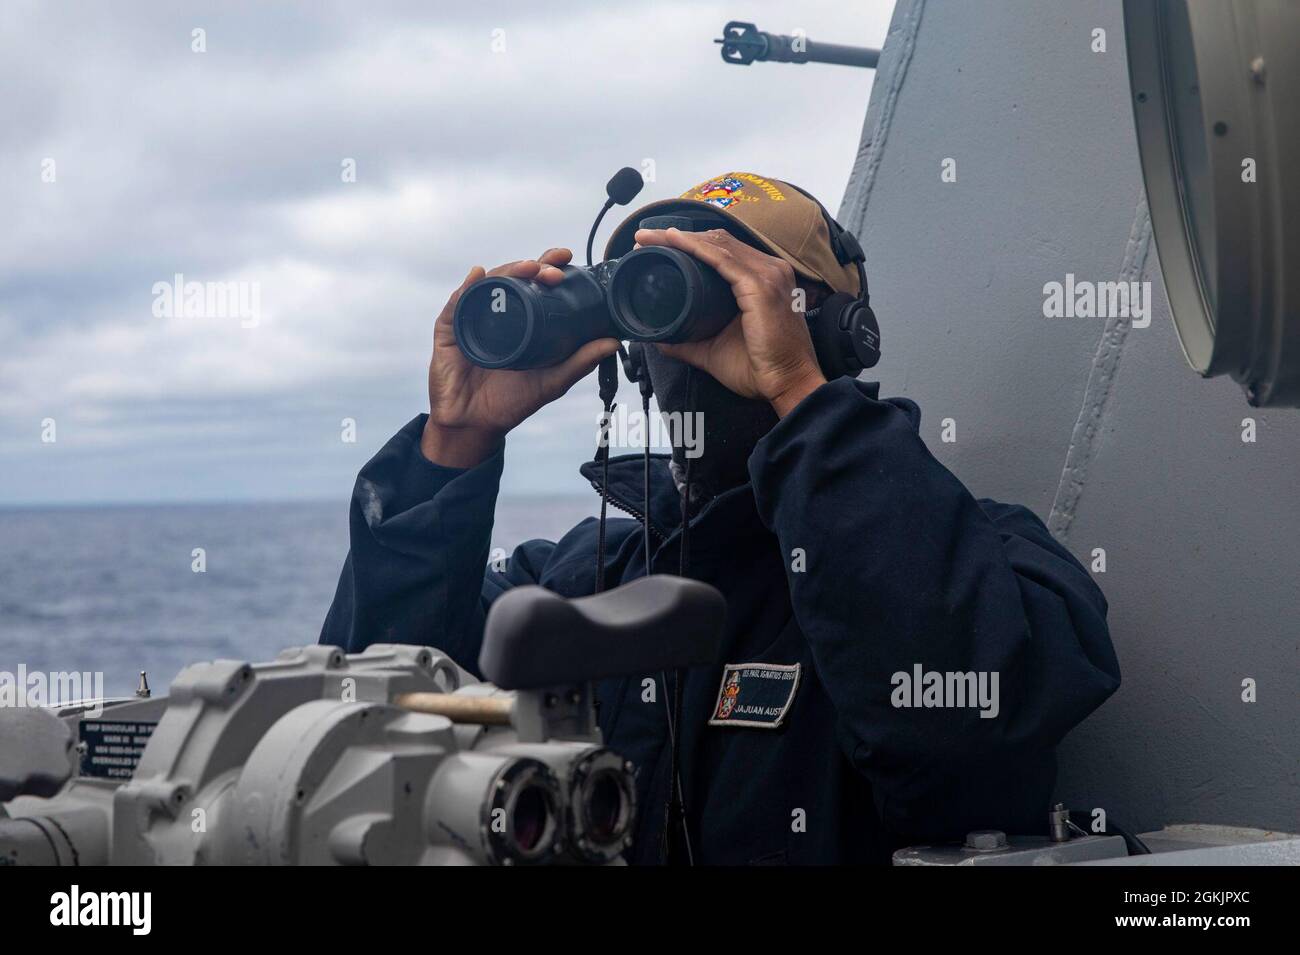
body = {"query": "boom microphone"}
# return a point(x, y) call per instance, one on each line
point(624, 186)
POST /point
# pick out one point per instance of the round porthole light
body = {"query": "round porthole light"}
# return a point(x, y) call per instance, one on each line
point(1216, 101)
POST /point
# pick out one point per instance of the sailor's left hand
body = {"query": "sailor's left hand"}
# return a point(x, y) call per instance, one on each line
point(767, 353)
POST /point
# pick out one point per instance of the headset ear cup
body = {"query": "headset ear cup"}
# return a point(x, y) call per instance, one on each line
point(863, 332)
point(829, 326)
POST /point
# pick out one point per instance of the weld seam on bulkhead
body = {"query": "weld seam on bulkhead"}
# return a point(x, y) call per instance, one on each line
point(872, 147)
point(1085, 438)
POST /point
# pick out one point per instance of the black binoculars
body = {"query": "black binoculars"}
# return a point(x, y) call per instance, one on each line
point(652, 294)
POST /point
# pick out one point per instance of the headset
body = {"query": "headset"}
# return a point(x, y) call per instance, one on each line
point(845, 333)
point(844, 329)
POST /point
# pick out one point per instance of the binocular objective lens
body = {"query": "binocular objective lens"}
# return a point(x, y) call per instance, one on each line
point(656, 294)
point(496, 321)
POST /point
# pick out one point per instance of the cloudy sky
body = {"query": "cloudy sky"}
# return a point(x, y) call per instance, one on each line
point(479, 132)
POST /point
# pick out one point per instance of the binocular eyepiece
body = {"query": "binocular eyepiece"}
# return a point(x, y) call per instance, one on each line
point(652, 294)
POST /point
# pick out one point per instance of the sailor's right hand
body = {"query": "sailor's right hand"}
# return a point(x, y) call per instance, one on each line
point(472, 408)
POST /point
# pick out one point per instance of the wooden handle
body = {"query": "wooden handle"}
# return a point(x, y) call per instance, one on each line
point(459, 708)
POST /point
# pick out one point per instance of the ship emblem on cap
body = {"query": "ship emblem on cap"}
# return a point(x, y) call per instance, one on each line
point(719, 192)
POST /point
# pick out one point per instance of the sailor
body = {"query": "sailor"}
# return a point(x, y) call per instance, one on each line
point(849, 558)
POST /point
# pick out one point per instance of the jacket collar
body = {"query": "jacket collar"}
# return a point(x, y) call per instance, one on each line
point(627, 491)
point(736, 506)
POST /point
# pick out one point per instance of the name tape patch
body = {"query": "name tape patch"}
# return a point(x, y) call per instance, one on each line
point(111, 749)
point(755, 694)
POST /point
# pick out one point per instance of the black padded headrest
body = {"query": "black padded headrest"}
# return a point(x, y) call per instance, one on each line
point(535, 638)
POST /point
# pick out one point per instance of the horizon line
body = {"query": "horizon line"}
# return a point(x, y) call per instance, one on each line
point(210, 502)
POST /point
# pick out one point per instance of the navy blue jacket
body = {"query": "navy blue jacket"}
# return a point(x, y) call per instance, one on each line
point(854, 554)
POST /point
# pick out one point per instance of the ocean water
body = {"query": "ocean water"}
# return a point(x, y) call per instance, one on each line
point(111, 589)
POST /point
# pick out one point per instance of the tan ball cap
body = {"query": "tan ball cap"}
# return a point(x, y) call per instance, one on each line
point(777, 216)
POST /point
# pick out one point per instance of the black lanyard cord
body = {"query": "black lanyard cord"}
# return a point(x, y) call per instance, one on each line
point(675, 813)
point(645, 530)
point(608, 377)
